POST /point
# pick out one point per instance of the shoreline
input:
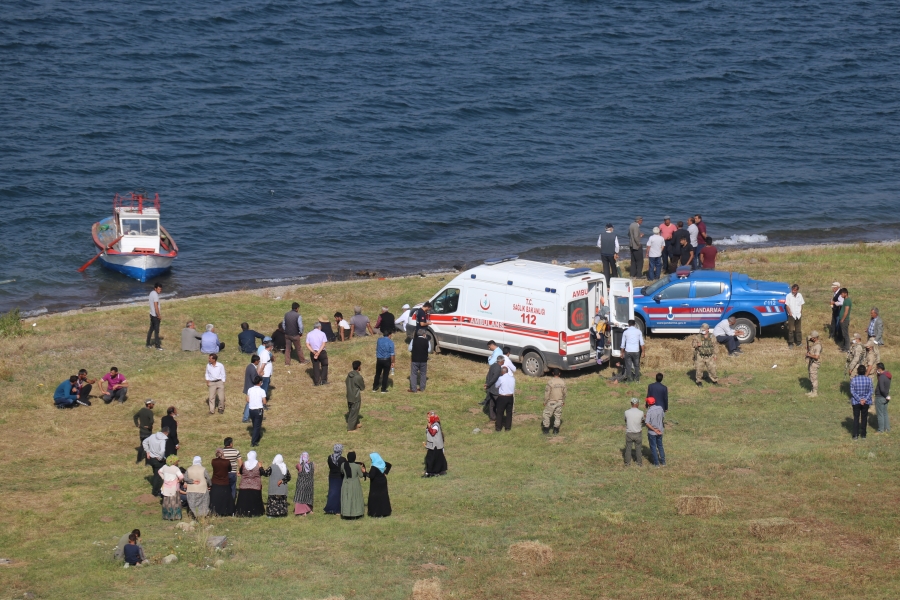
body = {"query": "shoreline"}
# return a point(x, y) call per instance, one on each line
point(280, 290)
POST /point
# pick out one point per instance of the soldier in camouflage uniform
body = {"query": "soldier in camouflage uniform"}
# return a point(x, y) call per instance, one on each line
point(814, 357)
point(554, 398)
point(873, 357)
point(855, 356)
point(704, 345)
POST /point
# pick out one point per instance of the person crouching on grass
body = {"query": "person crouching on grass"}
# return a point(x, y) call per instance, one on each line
point(134, 554)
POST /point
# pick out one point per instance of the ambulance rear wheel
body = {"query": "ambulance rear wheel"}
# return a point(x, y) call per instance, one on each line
point(533, 364)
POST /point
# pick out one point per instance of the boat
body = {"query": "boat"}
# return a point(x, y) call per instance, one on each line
point(132, 241)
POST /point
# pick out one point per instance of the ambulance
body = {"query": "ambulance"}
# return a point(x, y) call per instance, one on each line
point(543, 312)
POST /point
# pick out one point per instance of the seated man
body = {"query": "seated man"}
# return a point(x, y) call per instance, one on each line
point(725, 334)
point(247, 339)
point(66, 395)
point(278, 338)
point(190, 338)
point(83, 387)
point(209, 343)
point(116, 386)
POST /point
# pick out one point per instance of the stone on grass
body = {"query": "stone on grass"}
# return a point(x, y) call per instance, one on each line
point(168, 560)
point(216, 541)
point(186, 525)
point(219, 563)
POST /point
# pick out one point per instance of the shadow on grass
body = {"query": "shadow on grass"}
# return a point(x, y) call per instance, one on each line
point(805, 383)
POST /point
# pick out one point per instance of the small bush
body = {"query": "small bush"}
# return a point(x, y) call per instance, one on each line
point(11, 324)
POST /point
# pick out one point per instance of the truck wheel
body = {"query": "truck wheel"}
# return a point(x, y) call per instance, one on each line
point(533, 364)
point(639, 323)
point(745, 330)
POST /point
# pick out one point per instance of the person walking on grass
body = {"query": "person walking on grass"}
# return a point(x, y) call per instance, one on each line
point(355, 386)
point(419, 349)
point(266, 353)
point(814, 360)
point(554, 399)
point(315, 343)
point(861, 397)
point(704, 355)
point(435, 461)
point(844, 318)
point(251, 371)
point(143, 420)
point(654, 420)
point(155, 451)
point(293, 331)
point(882, 397)
point(215, 383)
point(384, 361)
point(256, 401)
point(634, 424)
point(155, 318)
point(633, 348)
point(793, 303)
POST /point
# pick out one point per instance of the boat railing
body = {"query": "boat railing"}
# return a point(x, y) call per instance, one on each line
point(135, 201)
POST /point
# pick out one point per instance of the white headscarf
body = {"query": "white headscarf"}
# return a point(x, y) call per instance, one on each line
point(197, 460)
point(251, 460)
point(279, 462)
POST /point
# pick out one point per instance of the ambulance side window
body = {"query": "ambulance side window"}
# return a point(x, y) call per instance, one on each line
point(579, 317)
point(447, 302)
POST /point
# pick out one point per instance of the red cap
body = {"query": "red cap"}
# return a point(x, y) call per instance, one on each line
point(651, 401)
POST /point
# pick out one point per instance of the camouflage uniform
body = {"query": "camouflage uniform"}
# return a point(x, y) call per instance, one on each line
point(554, 398)
point(815, 350)
point(855, 357)
point(704, 357)
point(873, 357)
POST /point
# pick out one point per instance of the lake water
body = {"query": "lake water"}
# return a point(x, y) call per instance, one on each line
point(296, 141)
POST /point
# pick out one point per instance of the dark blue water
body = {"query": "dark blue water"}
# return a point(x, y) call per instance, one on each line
point(315, 139)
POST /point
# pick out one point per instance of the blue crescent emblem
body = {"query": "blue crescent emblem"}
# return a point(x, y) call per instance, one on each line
point(670, 316)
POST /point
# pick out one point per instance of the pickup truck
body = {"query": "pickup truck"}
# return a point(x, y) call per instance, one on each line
point(682, 301)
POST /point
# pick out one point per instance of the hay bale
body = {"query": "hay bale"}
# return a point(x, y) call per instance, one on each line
point(531, 553)
point(701, 506)
point(773, 528)
point(681, 354)
point(427, 589)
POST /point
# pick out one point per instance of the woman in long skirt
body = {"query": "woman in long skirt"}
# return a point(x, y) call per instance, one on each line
point(352, 505)
point(171, 501)
point(303, 496)
point(335, 480)
point(198, 484)
point(249, 501)
point(221, 502)
point(379, 500)
point(435, 463)
point(278, 488)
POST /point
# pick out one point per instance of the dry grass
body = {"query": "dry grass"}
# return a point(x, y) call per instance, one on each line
point(773, 528)
point(531, 553)
point(700, 506)
point(427, 589)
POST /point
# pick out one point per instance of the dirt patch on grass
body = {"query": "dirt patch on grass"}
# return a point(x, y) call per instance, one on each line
point(106, 519)
point(742, 471)
point(773, 528)
point(524, 418)
point(380, 416)
point(685, 400)
point(475, 410)
point(427, 589)
point(767, 392)
point(556, 439)
point(406, 408)
point(700, 506)
point(432, 567)
point(531, 553)
point(147, 499)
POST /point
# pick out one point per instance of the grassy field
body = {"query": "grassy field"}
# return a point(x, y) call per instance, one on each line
point(70, 485)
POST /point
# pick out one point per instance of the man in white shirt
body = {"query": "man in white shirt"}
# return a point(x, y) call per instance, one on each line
point(155, 317)
point(725, 334)
point(155, 449)
point(256, 402)
point(793, 303)
point(215, 381)
point(315, 343)
point(634, 424)
point(266, 352)
point(507, 362)
point(694, 232)
point(633, 349)
point(403, 319)
point(503, 405)
point(655, 246)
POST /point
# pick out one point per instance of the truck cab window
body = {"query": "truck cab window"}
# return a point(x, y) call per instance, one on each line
point(447, 302)
point(706, 289)
point(676, 291)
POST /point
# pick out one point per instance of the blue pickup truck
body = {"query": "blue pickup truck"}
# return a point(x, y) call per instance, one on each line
point(681, 302)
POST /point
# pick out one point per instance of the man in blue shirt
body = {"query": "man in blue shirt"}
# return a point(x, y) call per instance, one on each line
point(247, 339)
point(633, 349)
point(209, 341)
point(861, 393)
point(65, 395)
point(496, 352)
point(384, 361)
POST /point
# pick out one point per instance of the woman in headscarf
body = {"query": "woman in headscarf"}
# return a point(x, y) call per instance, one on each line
point(335, 479)
point(278, 488)
point(171, 421)
point(435, 463)
point(352, 506)
point(221, 502)
point(249, 500)
point(171, 501)
point(379, 500)
point(198, 484)
point(303, 496)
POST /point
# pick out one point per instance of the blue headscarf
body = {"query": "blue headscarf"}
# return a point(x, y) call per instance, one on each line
point(377, 461)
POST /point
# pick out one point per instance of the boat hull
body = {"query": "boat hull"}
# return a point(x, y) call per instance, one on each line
point(142, 267)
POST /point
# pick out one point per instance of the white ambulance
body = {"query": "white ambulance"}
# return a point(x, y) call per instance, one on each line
point(542, 312)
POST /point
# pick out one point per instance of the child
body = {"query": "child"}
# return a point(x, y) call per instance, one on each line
point(134, 554)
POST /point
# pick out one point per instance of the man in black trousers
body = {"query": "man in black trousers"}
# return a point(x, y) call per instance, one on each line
point(490, 387)
point(659, 392)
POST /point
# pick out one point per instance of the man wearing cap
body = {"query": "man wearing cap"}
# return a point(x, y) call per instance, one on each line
point(666, 229)
point(634, 424)
point(401, 321)
point(836, 302)
point(315, 343)
point(554, 400)
point(873, 357)
point(266, 353)
point(247, 339)
point(814, 359)
point(637, 249)
point(654, 420)
point(143, 420)
point(704, 355)
point(855, 356)
point(655, 246)
point(608, 243)
point(793, 303)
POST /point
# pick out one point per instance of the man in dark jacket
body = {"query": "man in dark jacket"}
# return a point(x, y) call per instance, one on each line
point(882, 397)
point(659, 392)
point(143, 420)
point(247, 339)
point(491, 389)
point(675, 247)
point(419, 348)
point(293, 331)
point(385, 323)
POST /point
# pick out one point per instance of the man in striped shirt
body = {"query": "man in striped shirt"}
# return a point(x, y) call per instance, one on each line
point(234, 455)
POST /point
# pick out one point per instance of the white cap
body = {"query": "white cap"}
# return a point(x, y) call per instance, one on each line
point(405, 306)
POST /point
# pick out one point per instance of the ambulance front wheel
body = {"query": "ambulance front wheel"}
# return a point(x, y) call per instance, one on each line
point(533, 364)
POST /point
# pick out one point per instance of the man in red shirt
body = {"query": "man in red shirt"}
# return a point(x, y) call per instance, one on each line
point(666, 229)
point(708, 256)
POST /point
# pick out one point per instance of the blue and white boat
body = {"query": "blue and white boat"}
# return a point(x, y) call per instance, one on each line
point(132, 241)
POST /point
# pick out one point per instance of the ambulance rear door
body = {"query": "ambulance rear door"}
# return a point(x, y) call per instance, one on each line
point(621, 309)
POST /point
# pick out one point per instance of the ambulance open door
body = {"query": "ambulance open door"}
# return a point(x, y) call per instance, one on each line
point(621, 309)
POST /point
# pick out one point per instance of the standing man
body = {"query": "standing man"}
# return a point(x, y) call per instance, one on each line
point(315, 343)
point(251, 372)
point(634, 425)
point(355, 386)
point(490, 388)
point(686, 256)
point(116, 386)
point(844, 318)
point(293, 331)
point(836, 302)
point(384, 361)
point(422, 320)
point(554, 399)
point(704, 356)
point(83, 387)
point(793, 303)
point(876, 327)
point(247, 339)
point(666, 229)
point(855, 356)
point(234, 455)
point(659, 392)
point(266, 353)
point(676, 247)
point(882, 397)
point(861, 393)
point(636, 269)
point(608, 243)
point(708, 256)
point(496, 352)
point(143, 420)
point(190, 339)
point(386, 321)
point(654, 420)
point(506, 396)
point(155, 451)
point(256, 400)
point(419, 349)
point(215, 382)
point(873, 357)
point(702, 239)
point(655, 246)
point(814, 359)
point(209, 341)
point(694, 234)
point(155, 317)
point(725, 334)
point(508, 362)
point(633, 347)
